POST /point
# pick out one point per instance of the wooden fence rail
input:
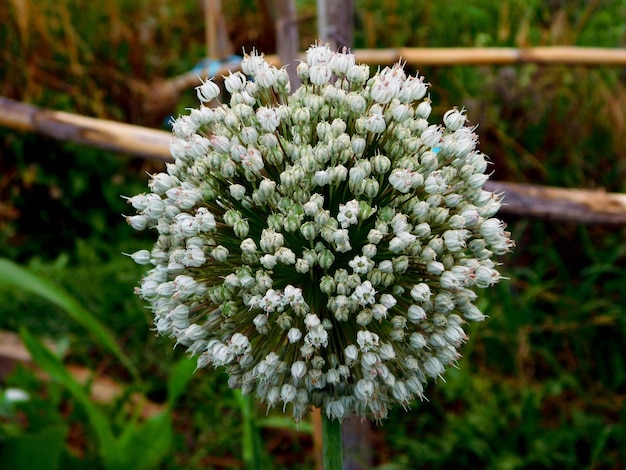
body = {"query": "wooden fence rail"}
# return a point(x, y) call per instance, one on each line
point(449, 56)
point(571, 205)
point(569, 55)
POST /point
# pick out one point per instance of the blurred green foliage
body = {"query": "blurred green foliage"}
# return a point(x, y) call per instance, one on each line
point(543, 381)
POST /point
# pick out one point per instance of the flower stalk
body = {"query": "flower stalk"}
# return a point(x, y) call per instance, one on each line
point(332, 445)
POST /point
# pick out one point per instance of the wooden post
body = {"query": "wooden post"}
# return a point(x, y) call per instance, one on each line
point(217, 42)
point(209, 28)
point(287, 38)
point(335, 22)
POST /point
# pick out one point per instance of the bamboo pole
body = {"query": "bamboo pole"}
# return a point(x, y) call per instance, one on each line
point(588, 206)
point(571, 205)
point(450, 56)
point(100, 133)
point(566, 55)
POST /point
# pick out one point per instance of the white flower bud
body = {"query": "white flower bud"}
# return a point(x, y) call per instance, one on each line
point(326, 259)
point(220, 253)
point(454, 119)
point(298, 369)
point(375, 123)
point(302, 266)
point(186, 286)
point(416, 314)
point(338, 174)
point(241, 228)
point(491, 228)
point(285, 256)
point(237, 191)
point(141, 257)
point(266, 76)
point(455, 239)
point(358, 74)
point(431, 136)
point(420, 292)
point(137, 222)
point(367, 340)
point(424, 109)
point(401, 112)
point(341, 63)
point(321, 178)
point(249, 136)
point(364, 390)
point(303, 70)
point(477, 180)
point(309, 230)
point(287, 393)
point(294, 335)
point(400, 264)
point(351, 354)
point(433, 367)
point(234, 82)
point(319, 74)
point(374, 236)
point(248, 246)
point(268, 118)
point(208, 91)
point(388, 300)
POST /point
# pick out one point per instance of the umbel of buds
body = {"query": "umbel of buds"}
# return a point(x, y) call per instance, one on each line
point(323, 247)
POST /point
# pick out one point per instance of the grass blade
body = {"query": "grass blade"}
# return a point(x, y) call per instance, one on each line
point(54, 367)
point(16, 276)
point(252, 450)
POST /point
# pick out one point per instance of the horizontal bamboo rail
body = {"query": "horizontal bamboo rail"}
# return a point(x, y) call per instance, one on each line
point(437, 56)
point(571, 205)
point(100, 133)
point(569, 55)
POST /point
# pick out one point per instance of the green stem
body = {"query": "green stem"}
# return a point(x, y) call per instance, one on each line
point(332, 448)
point(252, 453)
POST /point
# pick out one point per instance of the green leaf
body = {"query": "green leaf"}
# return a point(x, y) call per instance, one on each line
point(40, 450)
point(14, 275)
point(147, 444)
point(97, 419)
point(178, 379)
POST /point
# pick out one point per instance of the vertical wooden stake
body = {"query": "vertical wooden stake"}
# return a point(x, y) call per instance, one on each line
point(316, 421)
point(335, 22)
point(218, 45)
point(210, 29)
point(287, 38)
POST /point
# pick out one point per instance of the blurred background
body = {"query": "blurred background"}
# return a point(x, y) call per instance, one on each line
point(542, 383)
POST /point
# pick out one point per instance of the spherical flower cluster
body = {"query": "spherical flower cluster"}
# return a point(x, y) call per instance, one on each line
point(322, 247)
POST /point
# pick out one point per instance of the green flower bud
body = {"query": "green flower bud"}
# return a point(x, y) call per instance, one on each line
point(326, 259)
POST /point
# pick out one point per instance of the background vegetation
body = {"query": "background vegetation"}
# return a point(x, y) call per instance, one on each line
point(543, 381)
